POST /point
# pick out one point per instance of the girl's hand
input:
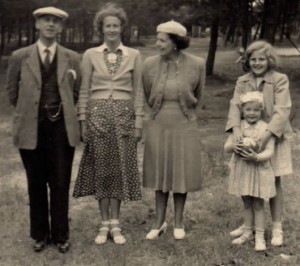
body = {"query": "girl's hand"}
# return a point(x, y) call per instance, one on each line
point(238, 147)
point(83, 131)
point(138, 134)
point(237, 134)
point(264, 140)
point(250, 155)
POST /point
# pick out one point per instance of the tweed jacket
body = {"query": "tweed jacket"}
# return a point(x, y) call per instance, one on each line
point(277, 101)
point(24, 91)
point(190, 81)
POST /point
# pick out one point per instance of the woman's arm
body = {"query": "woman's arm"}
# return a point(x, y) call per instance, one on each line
point(138, 91)
point(201, 85)
point(282, 107)
point(86, 75)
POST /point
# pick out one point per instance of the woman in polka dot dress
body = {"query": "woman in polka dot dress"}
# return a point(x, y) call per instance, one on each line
point(110, 112)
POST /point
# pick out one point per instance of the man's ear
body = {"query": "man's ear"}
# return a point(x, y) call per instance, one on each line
point(37, 24)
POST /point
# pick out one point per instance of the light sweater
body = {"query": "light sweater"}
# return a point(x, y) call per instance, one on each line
point(126, 83)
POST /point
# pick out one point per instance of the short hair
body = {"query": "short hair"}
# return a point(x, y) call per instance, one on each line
point(180, 41)
point(110, 9)
point(267, 48)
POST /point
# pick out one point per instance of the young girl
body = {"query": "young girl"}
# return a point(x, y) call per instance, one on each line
point(260, 59)
point(251, 175)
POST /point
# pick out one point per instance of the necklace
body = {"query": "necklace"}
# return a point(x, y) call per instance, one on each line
point(171, 77)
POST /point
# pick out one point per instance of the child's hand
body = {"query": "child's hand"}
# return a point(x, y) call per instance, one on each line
point(237, 134)
point(238, 147)
point(250, 155)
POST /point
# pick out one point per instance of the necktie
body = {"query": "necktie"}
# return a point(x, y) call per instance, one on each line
point(47, 59)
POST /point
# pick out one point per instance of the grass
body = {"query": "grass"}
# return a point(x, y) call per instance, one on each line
point(210, 213)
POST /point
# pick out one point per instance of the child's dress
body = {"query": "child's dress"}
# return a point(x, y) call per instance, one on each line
point(256, 179)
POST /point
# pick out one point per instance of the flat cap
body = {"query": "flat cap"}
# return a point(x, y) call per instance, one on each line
point(50, 11)
point(172, 27)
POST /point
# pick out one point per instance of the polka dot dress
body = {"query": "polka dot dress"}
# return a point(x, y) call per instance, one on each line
point(108, 167)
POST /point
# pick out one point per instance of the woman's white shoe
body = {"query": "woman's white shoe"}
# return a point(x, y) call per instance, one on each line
point(179, 233)
point(155, 233)
point(101, 238)
point(115, 232)
point(277, 238)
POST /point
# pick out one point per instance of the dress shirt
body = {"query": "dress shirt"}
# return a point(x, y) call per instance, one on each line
point(42, 48)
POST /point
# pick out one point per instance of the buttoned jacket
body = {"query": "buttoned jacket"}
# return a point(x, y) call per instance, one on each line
point(24, 89)
point(277, 101)
point(190, 80)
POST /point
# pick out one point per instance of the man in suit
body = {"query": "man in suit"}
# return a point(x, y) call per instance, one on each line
point(43, 82)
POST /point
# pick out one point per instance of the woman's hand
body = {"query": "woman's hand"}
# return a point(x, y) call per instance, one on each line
point(264, 140)
point(138, 134)
point(250, 155)
point(83, 130)
point(237, 134)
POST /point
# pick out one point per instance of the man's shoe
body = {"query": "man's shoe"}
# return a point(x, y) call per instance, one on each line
point(63, 247)
point(40, 245)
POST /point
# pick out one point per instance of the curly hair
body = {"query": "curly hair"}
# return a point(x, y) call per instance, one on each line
point(180, 42)
point(110, 9)
point(263, 46)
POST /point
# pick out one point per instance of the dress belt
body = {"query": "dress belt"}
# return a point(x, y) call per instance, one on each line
point(116, 95)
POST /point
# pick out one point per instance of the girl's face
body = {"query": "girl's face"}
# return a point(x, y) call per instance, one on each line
point(252, 112)
point(258, 62)
point(164, 44)
point(112, 29)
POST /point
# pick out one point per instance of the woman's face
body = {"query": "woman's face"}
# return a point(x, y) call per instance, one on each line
point(164, 44)
point(252, 112)
point(258, 63)
point(112, 29)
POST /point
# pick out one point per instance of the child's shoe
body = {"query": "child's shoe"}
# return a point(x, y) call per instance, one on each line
point(246, 236)
point(277, 237)
point(237, 232)
point(260, 243)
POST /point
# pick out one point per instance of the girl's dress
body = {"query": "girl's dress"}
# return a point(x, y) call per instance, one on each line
point(256, 179)
point(172, 154)
point(108, 168)
point(277, 101)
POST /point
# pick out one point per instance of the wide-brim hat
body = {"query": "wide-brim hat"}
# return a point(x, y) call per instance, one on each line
point(50, 11)
point(172, 27)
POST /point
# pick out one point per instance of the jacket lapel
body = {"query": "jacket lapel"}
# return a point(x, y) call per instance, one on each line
point(33, 63)
point(62, 63)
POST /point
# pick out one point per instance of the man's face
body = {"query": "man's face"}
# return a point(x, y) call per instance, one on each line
point(49, 27)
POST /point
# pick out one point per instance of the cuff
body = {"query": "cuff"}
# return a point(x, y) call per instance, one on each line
point(138, 121)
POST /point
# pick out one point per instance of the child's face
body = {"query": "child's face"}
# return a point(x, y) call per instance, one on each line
point(252, 112)
point(258, 63)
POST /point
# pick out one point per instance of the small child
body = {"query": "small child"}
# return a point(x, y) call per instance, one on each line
point(260, 60)
point(251, 174)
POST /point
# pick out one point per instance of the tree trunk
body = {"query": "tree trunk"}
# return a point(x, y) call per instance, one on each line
point(246, 7)
point(212, 45)
point(270, 20)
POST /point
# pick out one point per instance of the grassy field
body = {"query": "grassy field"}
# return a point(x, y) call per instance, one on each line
point(210, 213)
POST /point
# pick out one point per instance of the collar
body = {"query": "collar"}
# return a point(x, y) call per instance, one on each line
point(268, 77)
point(121, 47)
point(245, 124)
point(42, 47)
